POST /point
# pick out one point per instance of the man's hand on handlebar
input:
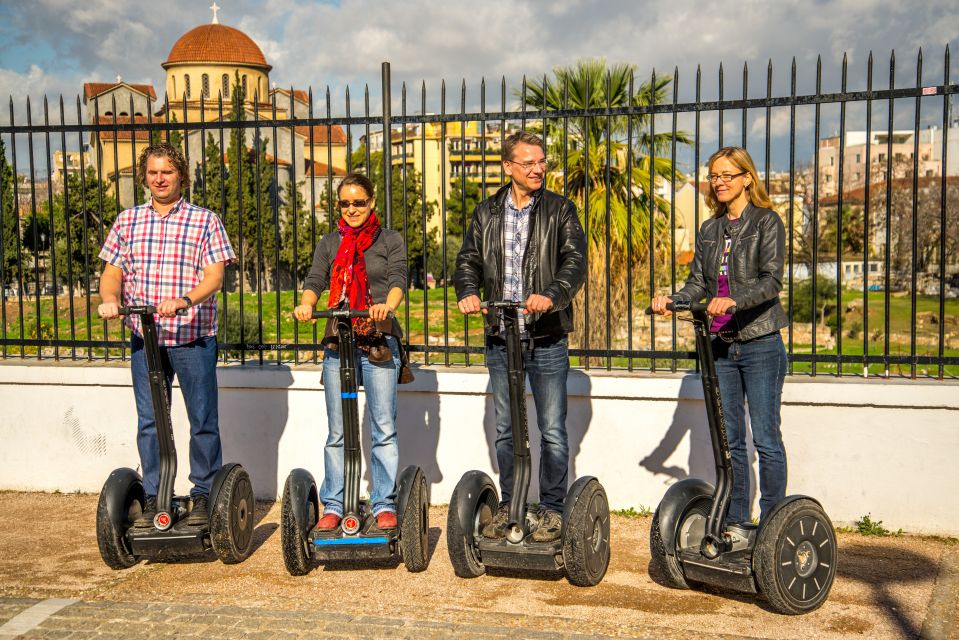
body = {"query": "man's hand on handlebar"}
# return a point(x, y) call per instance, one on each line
point(536, 303)
point(108, 310)
point(168, 308)
point(470, 304)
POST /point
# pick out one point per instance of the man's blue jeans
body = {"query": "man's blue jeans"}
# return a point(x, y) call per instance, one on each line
point(379, 381)
point(753, 372)
point(547, 366)
point(195, 367)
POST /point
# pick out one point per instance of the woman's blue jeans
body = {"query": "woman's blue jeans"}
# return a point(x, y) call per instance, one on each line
point(547, 366)
point(379, 381)
point(752, 373)
point(195, 367)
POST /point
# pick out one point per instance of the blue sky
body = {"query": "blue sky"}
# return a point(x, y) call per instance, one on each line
point(51, 47)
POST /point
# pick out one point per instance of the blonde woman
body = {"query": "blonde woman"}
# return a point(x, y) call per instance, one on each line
point(739, 263)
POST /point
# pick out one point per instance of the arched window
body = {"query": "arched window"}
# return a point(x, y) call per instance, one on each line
point(186, 85)
point(205, 83)
point(226, 86)
point(245, 96)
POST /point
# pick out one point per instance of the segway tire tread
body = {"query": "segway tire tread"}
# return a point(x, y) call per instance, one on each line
point(110, 541)
point(414, 532)
point(667, 565)
point(232, 518)
point(296, 553)
point(460, 544)
point(770, 568)
point(586, 557)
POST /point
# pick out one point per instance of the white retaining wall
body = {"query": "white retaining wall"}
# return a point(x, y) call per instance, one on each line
point(887, 448)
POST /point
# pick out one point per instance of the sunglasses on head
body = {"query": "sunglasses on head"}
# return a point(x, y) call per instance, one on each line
point(346, 204)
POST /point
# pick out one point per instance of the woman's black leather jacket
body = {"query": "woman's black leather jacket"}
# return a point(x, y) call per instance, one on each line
point(756, 260)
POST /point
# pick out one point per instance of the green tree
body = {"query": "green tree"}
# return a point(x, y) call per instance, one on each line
point(609, 181)
point(9, 227)
point(88, 223)
point(853, 238)
point(297, 220)
point(249, 219)
point(408, 212)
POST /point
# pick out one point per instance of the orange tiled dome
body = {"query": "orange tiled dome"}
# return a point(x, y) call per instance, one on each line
point(216, 43)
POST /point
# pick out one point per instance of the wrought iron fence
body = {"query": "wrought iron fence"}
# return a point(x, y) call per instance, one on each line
point(871, 256)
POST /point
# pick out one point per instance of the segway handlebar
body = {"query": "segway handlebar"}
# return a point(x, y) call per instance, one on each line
point(144, 309)
point(343, 313)
point(685, 305)
point(502, 304)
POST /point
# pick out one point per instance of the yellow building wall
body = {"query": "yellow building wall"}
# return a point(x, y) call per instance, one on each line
point(258, 81)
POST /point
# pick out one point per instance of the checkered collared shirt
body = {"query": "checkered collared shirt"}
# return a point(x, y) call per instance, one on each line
point(163, 257)
point(515, 237)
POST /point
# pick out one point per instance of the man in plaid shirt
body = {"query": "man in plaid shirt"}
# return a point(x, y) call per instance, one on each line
point(526, 243)
point(170, 254)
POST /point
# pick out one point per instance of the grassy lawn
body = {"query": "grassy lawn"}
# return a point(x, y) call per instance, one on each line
point(267, 319)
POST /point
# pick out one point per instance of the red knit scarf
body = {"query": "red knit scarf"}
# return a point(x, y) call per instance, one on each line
point(349, 267)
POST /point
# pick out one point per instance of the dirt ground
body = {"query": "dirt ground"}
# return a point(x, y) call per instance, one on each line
point(882, 590)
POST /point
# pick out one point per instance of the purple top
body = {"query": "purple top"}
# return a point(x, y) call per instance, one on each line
point(722, 289)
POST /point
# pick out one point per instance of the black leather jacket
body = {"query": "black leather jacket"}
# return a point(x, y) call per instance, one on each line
point(756, 259)
point(554, 264)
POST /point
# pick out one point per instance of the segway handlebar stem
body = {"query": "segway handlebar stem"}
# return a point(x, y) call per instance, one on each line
point(343, 313)
point(684, 305)
point(144, 309)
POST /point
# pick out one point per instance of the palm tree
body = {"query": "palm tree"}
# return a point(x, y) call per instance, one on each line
point(606, 167)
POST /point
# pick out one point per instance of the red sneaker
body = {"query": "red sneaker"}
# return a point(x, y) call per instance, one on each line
point(329, 522)
point(386, 520)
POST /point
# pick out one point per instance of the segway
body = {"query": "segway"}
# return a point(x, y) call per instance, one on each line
point(582, 549)
point(357, 537)
point(790, 557)
point(229, 530)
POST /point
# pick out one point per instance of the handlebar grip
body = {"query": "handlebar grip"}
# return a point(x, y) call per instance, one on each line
point(683, 305)
point(343, 313)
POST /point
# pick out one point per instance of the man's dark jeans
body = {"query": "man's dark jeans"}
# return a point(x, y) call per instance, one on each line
point(195, 367)
point(547, 366)
point(753, 372)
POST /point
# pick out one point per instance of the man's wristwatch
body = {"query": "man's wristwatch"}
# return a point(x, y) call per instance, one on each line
point(189, 303)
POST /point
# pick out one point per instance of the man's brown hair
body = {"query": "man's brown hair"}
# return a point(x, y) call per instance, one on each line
point(171, 153)
point(520, 137)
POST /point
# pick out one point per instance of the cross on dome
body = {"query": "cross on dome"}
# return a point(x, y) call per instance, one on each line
point(214, 7)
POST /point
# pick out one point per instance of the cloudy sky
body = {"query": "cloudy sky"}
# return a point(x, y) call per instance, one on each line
point(51, 47)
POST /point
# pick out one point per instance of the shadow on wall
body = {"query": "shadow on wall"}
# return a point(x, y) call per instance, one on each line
point(417, 427)
point(252, 421)
point(579, 417)
point(690, 418)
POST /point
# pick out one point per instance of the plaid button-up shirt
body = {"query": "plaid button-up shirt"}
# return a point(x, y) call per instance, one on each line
point(163, 257)
point(515, 236)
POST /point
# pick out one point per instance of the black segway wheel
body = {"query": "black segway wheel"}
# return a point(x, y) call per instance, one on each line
point(476, 500)
point(795, 557)
point(692, 528)
point(294, 533)
point(121, 502)
point(586, 534)
point(231, 518)
point(415, 526)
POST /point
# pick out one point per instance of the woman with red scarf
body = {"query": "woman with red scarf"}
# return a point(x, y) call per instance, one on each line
point(364, 267)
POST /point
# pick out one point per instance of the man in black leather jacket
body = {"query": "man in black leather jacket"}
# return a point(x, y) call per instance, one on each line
point(526, 243)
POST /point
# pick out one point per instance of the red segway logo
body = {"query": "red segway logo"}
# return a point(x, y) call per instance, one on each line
point(162, 521)
point(351, 524)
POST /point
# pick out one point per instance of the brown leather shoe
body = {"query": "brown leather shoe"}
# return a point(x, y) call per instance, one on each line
point(496, 528)
point(386, 520)
point(328, 522)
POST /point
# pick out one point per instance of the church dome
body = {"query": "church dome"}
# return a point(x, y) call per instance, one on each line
point(216, 43)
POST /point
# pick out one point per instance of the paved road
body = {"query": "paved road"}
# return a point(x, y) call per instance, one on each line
point(56, 586)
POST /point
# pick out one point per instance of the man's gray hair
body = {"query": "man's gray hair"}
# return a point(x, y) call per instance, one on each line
point(521, 137)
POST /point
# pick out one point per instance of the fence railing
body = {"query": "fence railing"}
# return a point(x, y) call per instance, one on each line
point(872, 273)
